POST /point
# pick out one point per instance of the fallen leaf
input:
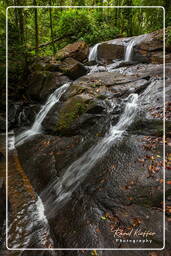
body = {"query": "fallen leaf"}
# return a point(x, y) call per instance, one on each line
point(94, 253)
point(97, 230)
point(153, 254)
point(103, 218)
point(141, 160)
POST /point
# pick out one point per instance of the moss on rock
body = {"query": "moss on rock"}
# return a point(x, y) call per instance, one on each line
point(70, 112)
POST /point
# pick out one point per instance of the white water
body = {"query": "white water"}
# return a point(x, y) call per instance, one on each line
point(129, 50)
point(63, 188)
point(11, 141)
point(36, 127)
point(93, 53)
point(28, 222)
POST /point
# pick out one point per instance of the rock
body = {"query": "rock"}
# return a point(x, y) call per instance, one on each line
point(90, 94)
point(2, 123)
point(157, 58)
point(72, 68)
point(78, 50)
point(39, 63)
point(48, 162)
point(68, 119)
point(142, 70)
point(107, 79)
point(151, 118)
point(26, 114)
point(2, 212)
point(43, 83)
point(116, 199)
point(52, 67)
point(150, 48)
point(107, 52)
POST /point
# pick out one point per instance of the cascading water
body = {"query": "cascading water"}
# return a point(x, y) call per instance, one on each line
point(129, 50)
point(31, 217)
point(93, 53)
point(73, 176)
point(36, 127)
point(27, 220)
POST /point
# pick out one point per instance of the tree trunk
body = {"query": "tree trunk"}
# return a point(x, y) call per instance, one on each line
point(16, 15)
point(130, 18)
point(36, 28)
point(21, 22)
point(51, 27)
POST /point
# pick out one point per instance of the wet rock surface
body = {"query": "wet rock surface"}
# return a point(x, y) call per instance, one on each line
point(147, 48)
point(72, 68)
point(109, 52)
point(46, 82)
point(124, 189)
point(151, 48)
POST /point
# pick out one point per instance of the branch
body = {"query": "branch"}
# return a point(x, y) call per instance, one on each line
point(54, 41)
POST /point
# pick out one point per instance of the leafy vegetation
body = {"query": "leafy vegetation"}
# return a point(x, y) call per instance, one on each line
point(43, 31)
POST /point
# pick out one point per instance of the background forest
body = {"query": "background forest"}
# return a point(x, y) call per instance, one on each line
point(43, 31)
point(85, 125)
point(47, 30)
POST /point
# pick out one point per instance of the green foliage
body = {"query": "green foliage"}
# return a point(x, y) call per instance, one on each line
point(81, 24)
point(69, 25)
point(74, 22)
point(168, 38)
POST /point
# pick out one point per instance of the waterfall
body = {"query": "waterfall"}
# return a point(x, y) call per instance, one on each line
point(129, 50)
point(29, 222)
point(93, 53)
point(60, 191)
point(36, 127)
point(11, 141)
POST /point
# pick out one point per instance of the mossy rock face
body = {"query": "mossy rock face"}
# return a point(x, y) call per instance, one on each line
point(71, 110)
point(37, 66)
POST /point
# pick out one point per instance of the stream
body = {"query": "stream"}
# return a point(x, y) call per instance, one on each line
point(90, 179)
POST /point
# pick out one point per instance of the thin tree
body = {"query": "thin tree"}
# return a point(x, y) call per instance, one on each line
point(36, 28)
point(21, 21)
point(16, 16)
point(51, 27)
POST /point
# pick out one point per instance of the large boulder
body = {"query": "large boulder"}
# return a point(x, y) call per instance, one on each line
point(108, 79)
point(150, 47)
point(72, 68)
point(147, 48)
point(78, 50)
point(107, 52)
point(43, 83)
point(75, 115)
point(88, 99)
point(150, 120)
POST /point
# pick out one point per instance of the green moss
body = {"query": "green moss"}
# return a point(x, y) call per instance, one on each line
point(101, 97)
point(96, 84)
point(70, 113)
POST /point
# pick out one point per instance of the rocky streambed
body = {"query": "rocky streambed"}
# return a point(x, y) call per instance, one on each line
point(93, 171)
